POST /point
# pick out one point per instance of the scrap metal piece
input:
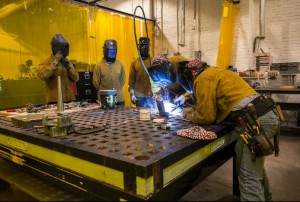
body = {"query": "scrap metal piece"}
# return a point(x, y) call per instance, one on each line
point(59, 127)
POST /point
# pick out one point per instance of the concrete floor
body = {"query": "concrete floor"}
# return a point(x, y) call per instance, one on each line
point(283, 173)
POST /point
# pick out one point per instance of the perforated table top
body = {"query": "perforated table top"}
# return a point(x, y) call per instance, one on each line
point(127, 145)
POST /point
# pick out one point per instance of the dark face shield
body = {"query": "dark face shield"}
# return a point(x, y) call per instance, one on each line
point(162, 73)
point(185, 77)
point(59, 43)
point(110, 51)
point(144, 47)
point(64, 49)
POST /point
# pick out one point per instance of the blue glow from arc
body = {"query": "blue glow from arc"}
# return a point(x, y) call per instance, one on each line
point(169, 108)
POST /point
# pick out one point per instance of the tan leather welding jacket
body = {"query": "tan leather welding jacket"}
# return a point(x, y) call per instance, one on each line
point(139, 79)
point(110, 77)
point(48, 72)
point(217, 92)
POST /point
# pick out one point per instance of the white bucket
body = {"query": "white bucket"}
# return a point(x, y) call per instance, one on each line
point(145, 115)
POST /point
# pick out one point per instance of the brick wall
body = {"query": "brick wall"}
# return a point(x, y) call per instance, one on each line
point(282, 26)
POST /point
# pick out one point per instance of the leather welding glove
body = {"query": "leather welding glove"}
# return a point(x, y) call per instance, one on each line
point(132, 96)
point(187, 112)
point(66, 63)
point(179, 100)
point(58, 56)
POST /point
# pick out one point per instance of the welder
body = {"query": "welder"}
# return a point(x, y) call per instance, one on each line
point(55, 65)
point(220, 93)
point(109, 73)
point(164, 82)
point(139, 82)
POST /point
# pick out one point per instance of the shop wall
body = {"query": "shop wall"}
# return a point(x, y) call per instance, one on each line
point(282, 25)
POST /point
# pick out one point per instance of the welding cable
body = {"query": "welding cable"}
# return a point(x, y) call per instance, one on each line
point(136, 42)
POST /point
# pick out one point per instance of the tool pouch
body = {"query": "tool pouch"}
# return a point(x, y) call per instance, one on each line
point(262, 145)
point(259, 143)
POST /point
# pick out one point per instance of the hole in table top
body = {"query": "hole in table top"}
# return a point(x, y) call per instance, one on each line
point(114, 150)
point(139, 149)
point(153, 151)
point(104, 141)
point(150, 145)
point(164, 147)
point(142, 158)
point(127, 154)
point(173, 143)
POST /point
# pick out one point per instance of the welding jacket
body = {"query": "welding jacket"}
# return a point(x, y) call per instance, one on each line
point(217, 92)
point(139, 80)
point(110, 77)
point(48, 72)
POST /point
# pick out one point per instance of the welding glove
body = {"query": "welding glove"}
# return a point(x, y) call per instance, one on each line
point(132, 96)
point(58, 56)
point(179, 100)
point(66, 63)
point(187, 112)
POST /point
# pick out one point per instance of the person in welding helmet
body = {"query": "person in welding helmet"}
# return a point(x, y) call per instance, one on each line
point(139, 81)
point(163, 73)
point(57, 64)
point(219, 93)
point(184, 97)
point(109, 73)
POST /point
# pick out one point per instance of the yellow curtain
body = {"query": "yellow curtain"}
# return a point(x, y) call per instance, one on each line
point(27, 27)
point(108, 25)
point(230, 11)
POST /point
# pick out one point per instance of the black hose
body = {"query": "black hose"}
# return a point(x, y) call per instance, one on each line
point(136, 42)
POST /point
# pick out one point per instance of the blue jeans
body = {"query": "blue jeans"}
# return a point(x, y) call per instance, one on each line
point(147, 102)
point(253, 180)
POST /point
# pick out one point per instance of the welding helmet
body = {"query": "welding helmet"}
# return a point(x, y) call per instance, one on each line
point(188, 71)
point(110, 50)
point(162, 71)
point(59, 43)
point(144, 47)
point(185, 77)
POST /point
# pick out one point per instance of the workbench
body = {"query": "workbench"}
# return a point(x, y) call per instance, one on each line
point(129, 160)
point(278, 90)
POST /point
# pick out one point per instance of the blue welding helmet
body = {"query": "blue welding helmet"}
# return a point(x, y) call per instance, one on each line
point(162, 73)
point(185, 77)
point(59, 43)
point(110, 50)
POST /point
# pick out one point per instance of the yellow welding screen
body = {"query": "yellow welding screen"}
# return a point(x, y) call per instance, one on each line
point(108, 25)
point(27, 27)
point(226, 34)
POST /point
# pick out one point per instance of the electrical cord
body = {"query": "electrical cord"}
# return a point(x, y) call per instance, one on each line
point(136, 42)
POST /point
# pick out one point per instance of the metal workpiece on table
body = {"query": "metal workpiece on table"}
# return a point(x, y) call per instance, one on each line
point(130, 158)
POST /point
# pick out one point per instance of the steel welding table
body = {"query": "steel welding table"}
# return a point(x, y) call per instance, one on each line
point(132, 160)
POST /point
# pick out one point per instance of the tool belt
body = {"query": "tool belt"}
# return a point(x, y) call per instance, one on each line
point(253, 135)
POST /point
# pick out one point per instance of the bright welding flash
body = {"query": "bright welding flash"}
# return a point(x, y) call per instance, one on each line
point(169, 108)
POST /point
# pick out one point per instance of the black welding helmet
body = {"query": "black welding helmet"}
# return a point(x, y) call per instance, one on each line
point(110, 50)
point(144, 47)
point(185, 77)
point(162, 71)
point(59, 43)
